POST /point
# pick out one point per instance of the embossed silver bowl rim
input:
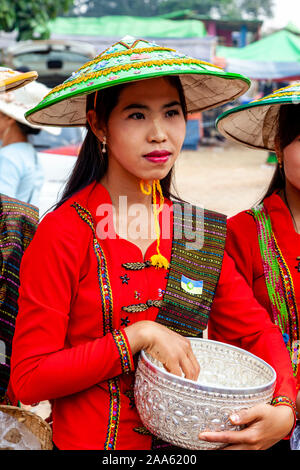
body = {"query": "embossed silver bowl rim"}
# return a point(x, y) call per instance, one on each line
point(208, 388)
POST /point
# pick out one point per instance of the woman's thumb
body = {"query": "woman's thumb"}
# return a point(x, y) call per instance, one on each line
point(244, 416)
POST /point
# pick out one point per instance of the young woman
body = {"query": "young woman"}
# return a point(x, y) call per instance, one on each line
point(18, 222)
point(112, 270)
point(265, 241)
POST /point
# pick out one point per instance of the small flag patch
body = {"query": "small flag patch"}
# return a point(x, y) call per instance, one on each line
point(191, 286)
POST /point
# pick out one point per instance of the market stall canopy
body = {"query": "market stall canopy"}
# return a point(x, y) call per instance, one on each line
point(154, 27)
point(186, 36)
point(293, 28)
point(275, 57)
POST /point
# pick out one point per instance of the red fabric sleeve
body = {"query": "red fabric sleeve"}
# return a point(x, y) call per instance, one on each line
point(237, 318)
point(242, 243)
point(44, 367)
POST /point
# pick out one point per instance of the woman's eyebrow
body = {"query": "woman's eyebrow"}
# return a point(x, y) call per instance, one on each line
point(135, 106)
point(143, 106)
point(173, 103)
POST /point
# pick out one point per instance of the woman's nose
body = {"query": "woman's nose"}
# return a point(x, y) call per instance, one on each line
point(157, 131)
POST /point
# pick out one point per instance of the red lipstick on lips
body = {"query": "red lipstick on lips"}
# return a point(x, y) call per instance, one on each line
point(158, 156)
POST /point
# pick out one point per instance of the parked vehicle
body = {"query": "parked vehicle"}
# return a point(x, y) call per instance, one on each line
point(54, 60)
point(67, 142)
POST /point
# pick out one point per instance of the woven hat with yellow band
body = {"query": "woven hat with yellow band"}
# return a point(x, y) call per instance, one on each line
point(11, 79)
point(205, 85)
point(255, 124)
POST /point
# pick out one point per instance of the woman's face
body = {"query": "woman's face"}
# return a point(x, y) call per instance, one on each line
point(146, 129)
point(291, 158)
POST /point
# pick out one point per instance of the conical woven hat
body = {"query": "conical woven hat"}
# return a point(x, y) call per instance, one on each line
point(11, 80)
point(255, 124)
point(16, 102)
point(205, 85)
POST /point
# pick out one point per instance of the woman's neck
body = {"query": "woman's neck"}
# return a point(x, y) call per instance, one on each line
point(291, 197)
point(13, 135)
point(121, 184)
point(136, 224)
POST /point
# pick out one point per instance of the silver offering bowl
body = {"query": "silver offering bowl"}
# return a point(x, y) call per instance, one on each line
point(176, 409)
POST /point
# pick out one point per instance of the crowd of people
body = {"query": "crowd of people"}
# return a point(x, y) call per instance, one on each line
point(91, 290)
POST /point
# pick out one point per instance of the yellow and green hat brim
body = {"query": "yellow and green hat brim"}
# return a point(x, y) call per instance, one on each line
point(205, 85)
point(11, 79)
point(255, 124)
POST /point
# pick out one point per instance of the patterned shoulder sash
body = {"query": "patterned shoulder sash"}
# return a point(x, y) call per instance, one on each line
point(279, 284)
point(195, 266)
point(18, 222)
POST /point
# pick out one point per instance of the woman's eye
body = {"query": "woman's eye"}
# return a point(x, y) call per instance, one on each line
point(172, 112)
point(137, 116)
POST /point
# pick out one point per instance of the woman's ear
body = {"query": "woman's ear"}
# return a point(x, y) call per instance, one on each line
point(95, 125)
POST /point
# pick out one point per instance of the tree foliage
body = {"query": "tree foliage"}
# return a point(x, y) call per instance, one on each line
point(30, 17)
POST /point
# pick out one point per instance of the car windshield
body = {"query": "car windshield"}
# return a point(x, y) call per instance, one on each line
point(67, 136)
point(38, 57)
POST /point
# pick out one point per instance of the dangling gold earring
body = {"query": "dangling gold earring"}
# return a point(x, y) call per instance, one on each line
point(279, 153)
point(103, 149)
point(279, 158)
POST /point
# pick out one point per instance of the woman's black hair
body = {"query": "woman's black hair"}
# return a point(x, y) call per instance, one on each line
point(92, 164)
point(27, 130)
point(288, 128)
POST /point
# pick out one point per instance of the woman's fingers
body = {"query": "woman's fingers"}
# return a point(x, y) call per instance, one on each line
point(173, 367)
point(188, 362)
point(187, 367)
point(196, 366)
point(265, 425)
point(248, 415)
point(246, 436)
point(190, 367)
point(171, 349)
point(226, 437)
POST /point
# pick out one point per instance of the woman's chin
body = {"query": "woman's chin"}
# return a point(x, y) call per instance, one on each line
point(155, 173)
point(152, 177)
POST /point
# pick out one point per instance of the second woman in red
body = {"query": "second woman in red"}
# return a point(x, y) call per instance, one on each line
point(265, 241)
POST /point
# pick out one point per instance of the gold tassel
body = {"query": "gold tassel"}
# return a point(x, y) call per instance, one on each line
point(158, 260)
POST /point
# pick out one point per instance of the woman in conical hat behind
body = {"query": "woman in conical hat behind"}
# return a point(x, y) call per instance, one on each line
point(21, 173)
point(265, 240)
point(18, 223)
point(101, 281)
point(12, 79)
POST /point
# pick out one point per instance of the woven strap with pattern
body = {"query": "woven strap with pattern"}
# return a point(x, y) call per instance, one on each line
point(197, 255)
point(18, 222)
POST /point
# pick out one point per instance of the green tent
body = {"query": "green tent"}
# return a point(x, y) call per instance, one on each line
point(292, 28)
point(275, 57)
point(109, 26)
point(281, 46)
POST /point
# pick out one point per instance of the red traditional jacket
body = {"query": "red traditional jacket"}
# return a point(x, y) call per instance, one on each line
point(243, 246)
point(60, 352)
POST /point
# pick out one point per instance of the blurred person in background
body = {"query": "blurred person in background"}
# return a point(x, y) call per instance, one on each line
point(21, 173)
point(18, 221)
